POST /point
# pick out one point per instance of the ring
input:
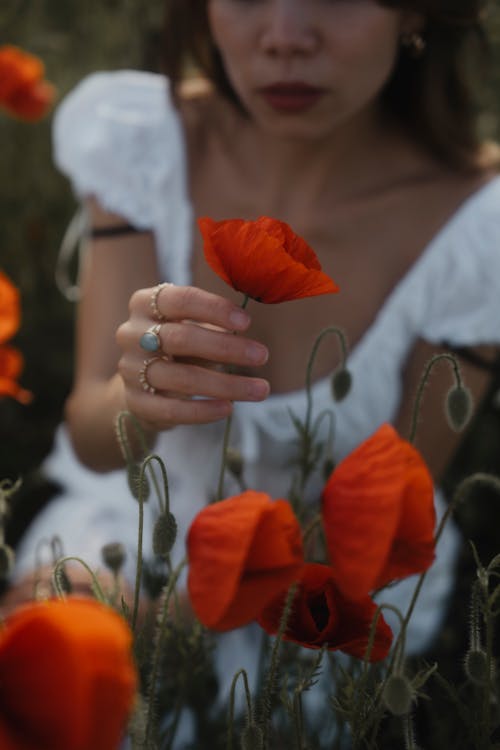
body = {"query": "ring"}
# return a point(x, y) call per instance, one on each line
point(143, 372)
point(157, 315)
point(150, 340)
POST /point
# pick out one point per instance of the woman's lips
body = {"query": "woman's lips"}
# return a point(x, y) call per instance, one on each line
point(291, 97)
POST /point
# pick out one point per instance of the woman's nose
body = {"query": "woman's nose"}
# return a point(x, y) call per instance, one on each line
point(289, 29)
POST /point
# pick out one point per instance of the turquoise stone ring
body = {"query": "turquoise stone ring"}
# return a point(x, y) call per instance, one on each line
point(150, 340)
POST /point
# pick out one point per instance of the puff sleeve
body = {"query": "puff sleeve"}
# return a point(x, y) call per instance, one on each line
point(118, 137)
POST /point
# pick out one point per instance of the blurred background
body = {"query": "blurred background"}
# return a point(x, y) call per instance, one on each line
point(75, 38)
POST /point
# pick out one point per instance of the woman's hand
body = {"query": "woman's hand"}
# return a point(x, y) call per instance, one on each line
point(187, 380)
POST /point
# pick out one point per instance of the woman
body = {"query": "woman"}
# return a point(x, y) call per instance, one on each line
point(352, 122)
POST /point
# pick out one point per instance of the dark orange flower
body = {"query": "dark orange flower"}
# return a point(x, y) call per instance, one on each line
point(378, 514)
point(67, 680)
point(321, 616)
point(11, 365)
point(263, 259)
point(9, 309)
point(24, 92)
point(242, 552)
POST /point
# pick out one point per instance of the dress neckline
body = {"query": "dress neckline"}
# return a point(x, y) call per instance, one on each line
point(426, 257)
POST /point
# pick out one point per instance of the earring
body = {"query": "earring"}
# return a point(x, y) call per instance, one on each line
point(414, 43)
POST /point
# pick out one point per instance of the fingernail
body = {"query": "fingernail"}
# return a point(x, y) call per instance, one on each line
point(239, 319)
point(256, 354)
point(259, 389)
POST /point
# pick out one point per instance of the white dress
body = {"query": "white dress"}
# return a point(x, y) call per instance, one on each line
point(118, 137)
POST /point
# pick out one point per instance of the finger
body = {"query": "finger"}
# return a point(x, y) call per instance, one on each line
point(190, 303)
point(161, 411)
point(192, 340)
point(174, 379)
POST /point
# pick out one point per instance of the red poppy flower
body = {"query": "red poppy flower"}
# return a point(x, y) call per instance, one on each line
point(23, 90)
point(242, 552)
point(378, 514)
point(321, 616)
point(11, 365)
point(67, 680)
point(9, 308)
point(263, 259)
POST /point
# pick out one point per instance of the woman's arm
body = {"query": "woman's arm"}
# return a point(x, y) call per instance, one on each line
point(118, 279)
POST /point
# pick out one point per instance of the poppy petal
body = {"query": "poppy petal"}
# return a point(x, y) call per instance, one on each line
point(11, 365)
point(369, 496)
point(9, 309)
point(263, 259)
point(67, 679)
point(321, 616)
point(241, 551)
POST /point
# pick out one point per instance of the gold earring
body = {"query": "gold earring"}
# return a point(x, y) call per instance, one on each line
point(414, 43)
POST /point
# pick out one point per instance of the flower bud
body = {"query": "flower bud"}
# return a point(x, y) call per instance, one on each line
point(398, 694)
point(252, 737)
point(134, 482)
point(6, 561)
point(234, 462)
point(113, 556)
point(164, 533)
point(341, 383)
point(476, 666)
point(62, 580)
point(458, 407)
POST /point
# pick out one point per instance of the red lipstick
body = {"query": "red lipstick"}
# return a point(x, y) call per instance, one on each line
point(291, 96)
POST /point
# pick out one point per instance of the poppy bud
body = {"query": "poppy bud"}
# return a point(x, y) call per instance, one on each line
point(164, 533)
point(6, 561)
point(137, 488)
point(113, 556)
point(341, 383)
point(234, 462)
point(398, 694)
point(62, 581)
point(458, 407)
point(476, 666)
point(252, 738)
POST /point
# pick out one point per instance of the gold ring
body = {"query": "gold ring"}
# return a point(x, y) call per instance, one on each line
point(143, 372)
point(157, 315)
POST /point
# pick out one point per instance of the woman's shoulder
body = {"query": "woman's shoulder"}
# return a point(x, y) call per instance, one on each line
point(117, 135)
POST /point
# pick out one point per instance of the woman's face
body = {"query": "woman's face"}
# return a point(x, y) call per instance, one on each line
point(303, 67)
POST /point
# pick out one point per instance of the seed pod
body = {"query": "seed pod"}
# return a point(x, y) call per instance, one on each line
point(113, 556)
point(234, 462)
point(164, 534)
point(341, 383)
point(458, 407)
point(252, 737)
point(134, 482)
point(398, 694)
point(476, 666)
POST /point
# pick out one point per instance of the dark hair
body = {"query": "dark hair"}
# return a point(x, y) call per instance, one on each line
point(433, 95)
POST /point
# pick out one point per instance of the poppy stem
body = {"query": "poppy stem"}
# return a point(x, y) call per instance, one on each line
point(95, 585)
point(161, 629)
point(230, 724)
point(308, 459)
point(126, 447)
point(227, 432)
point(270, 686)
point(423, 382)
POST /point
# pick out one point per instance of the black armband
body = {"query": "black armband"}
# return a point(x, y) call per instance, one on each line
point(116, 230)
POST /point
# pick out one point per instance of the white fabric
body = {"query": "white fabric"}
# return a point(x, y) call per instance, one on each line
point(117, 136)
